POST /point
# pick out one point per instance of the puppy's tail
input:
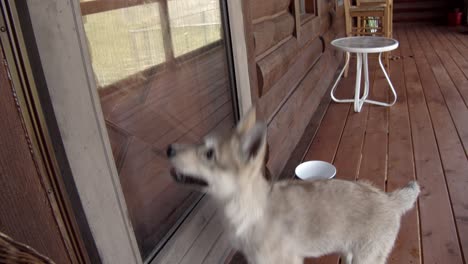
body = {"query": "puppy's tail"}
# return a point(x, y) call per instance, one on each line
point(405, 197)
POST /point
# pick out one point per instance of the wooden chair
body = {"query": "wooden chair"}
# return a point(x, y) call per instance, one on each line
point(369, 18)
point(388, 4)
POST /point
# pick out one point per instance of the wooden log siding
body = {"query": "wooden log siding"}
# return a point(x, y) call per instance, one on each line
point(313, 28)
point(263, 10)
point(277, 42)
point(271, 68)
point(281, 79)
point(273, 26)
point(272, 31)
point(290, 123)
point(293, 68)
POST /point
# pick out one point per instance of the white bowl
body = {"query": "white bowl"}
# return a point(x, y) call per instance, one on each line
point(315, 170)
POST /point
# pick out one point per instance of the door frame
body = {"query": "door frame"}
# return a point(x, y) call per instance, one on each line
point(66, 66)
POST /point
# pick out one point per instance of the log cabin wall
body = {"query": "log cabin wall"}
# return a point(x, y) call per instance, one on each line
point(291, 66)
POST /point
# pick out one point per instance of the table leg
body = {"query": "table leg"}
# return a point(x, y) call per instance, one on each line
point(357, 92)
point(366, 76)
point(391, 87)
point(358, 102)
point(362, 62)
point(332, 93)
point(388, 80)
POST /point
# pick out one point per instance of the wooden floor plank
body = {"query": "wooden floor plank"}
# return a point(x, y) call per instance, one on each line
point(456, 74)
point(325, 143)
point(456, 42)
point(455, 163)
point(439, 237)
point(430, 126)
point(220, 250)
point(178, 246)
point(426, 140)
point(374, 154)
point(374, 159)
point(463, 39)
point(454, 101)
point(401, 166)
point(203, 244)
point(348, 155)
point(445, 38)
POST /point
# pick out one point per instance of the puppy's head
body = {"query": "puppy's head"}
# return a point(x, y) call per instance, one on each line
point(222, 165)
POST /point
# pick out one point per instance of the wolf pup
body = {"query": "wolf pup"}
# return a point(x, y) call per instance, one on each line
point(285, 221)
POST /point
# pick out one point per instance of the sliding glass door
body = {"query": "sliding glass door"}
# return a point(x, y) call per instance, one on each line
point(163, 76)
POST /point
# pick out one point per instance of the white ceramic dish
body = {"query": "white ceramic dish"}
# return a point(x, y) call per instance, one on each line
point(315, 170)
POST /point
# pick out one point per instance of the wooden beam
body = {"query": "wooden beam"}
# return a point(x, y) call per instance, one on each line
point(98, 6)
point(297, 19)
point(166, 31)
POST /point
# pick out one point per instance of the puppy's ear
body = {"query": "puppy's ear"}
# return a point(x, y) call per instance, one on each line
point(247, 122)
point(253, 141)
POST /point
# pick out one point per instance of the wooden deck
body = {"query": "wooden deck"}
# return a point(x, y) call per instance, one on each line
point(424, 136)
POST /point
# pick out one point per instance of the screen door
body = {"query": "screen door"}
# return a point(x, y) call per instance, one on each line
point(162, 74)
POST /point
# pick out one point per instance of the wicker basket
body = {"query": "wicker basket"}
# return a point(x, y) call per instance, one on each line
point(12, 252)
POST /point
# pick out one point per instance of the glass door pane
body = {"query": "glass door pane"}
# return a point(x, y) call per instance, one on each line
point(194, 24)
point(162, 76)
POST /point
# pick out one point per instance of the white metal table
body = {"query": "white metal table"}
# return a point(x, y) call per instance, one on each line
point(362, 46)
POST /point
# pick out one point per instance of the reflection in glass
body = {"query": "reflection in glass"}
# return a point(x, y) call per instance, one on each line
point(121, 45)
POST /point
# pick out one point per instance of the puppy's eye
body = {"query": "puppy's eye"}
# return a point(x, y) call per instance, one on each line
point(209, 154)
